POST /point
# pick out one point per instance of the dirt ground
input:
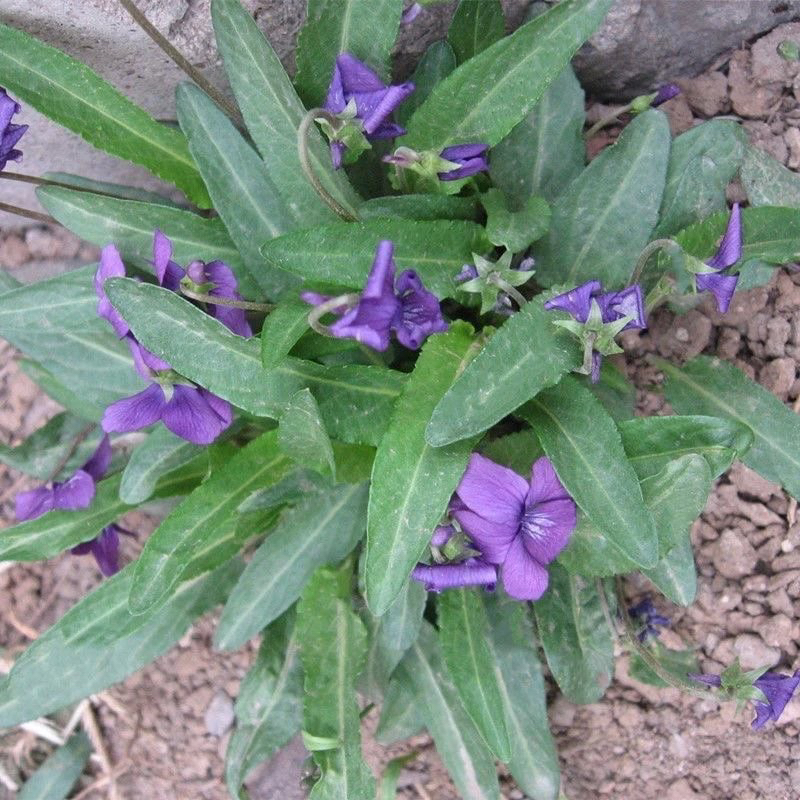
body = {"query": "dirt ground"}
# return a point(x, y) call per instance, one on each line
point(164, 731)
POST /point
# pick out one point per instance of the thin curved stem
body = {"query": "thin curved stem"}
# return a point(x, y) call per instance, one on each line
point(178, 57)
point(27, 212)
point(609, 119)
point(308, 169)
point(644, 256)
point(510, 290)
point(246, 305)
point(318, 312)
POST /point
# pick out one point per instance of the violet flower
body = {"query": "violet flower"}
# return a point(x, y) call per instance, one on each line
point(646, 613)
point(456, 575)
point(216, 273)
point(411, 13)
point(666, 92)
point(471, 159)
point(721, 285)
point(518, 524)
point(70, 495)
point(9, 134)
point(104, 548)
point(402, 305)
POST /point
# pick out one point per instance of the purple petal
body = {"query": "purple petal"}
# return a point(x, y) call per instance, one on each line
point(471, 157)
point(597, 362)
point(524, 578)
point(627, 302)
point(778, 689)
point(168, 273)
point(146, 363)
point(666, 92)
point(136, 412)
point(730, 248)
point(419, 314)
point(33, 503)
point(546, 528)
point(468, 273)
point(98, 464)
point(472, 572)
point(380, 281)
point(459, 151)
point(8, 107)
point(763, 716)
point(411, 13)
point(193, 415)
point(492, 538)
point(314, 298)
point(369, 323)
point(388, 130)
point(111, 266)
point(545, 484)
point(356, 76)
point(334, 100)
point(104, 548)
point(234, 319)
point(374, 108)
point(577, 301)
point(494, 492)
point(9, 134)
point(721, 286)
point(708, 680)
point(442, 535)
point(75, 493)
point(470, 166)
point(337, 153)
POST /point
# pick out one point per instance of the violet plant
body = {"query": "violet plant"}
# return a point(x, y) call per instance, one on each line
point(379, 395)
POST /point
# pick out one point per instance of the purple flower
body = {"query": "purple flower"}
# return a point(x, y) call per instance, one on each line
point(104, 548)
point(666, 92)
point(723, 286)
point(403, 305)
point(518, 524)
point(70, 495)
point(471, 572)
point(374, 101)
point(645, 612)
point(471, 159)
point(111, 266)
point(9, 134)
point(613, 305)
point(778, 690)
point(411, 13)
point(216, 273)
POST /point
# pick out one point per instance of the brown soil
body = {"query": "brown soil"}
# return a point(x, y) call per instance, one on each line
point(166, 728)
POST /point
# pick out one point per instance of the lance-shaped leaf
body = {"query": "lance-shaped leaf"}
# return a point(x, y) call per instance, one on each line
point(576, 636)
point(515, 662)
point(333, 644)
point(273, 113)
point(356, 401)
point(282, 329)
point(55, 322)
point(302, 435)
point(508, 371)
point(52, 672)
point(421, 206)
point(615, 199)
point(400, 711)
point(463, 629)
point(76, 404)
point(652, 442)
point(545, 151)
point(709, 386)
point(583, 443)
point(120, 190)
point(320, 530)
point(476, 25)
point(269, 708)
point(615, 392)
point(486, 97)
point(54, 779)
point(244, 194)
point(200, 517)
point(515, 230)
point(702, 162)
point(516, 450)
point(365, 28)
point(675, 574)
point(342, 253)
point(459, 744)
point(412, 482)
point(71, 94)
point(767, 182)
point(437, 62)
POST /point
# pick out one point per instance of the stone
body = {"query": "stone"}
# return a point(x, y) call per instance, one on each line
point(792, 139)
point(778, 331)
point(753, 653)
point(681, 790)
point(281, 777)
point(748, 98)
point(778, 631)
point(219, 715)
point(778, 376)
point(733, 555)
point(750, 484)
point(707, 94)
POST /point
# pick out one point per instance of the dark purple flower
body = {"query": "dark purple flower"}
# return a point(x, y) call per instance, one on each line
point(403, 305)
point(104, 548)
point(411, 13)
point(721, 285)
point(70, 495)
point(471, 159)
point(666, 92)
point(646, 614)
point(442, 535)
point(216, 273)
point(111, 266)
point(354, 81)
point(518, 524)
point(778, 690)
point(714, 681)
point(613, 305)
point(471, 572)
point(9, 134)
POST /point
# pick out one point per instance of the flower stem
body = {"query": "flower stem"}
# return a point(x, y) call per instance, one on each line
point(246, 305)
point(644, 256)
point(175, 54)
point(510, 290)
point(609, 119)
point(305, 163)
point(318, 312)
point(26, 212)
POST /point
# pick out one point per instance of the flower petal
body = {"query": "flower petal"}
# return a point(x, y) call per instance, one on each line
point(419, 314)
point(136, 412)
point(110, 266)
point(168, 273)
point(545, 483)
point(627, 302)
point(33, 503)
point(492, 491)
point(369, 322)
point(577, 301)
point(472, 572)
point(442, 534)
point(546, 528)
point(75, 493)
point(524, 578)
point(721, 286)
point(190, 415)
point(492, 538)
point(104, 548)
point(730, 248)
point(98, 464)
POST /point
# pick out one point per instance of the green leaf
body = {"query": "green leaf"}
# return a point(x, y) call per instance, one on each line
point(652, 442)
point(754, 273)
point(677, 662)
point(387, 789)
point(282, 329)
point(356, 402)
point(333, 645)
point(437, 62)
point(545, 151)
point(615, 392)
point(130, 224)
point(55, 322)
point(117, 189)
point(56, 777)
point(584, 445)
point(767, 182)
point(420, 206)
point(243, 193)
point(516, 450)
point(485, 98)
point(576, 636)
point(515, 230)
point(504, 375)
point(192, 525)
point(302, 435)
point(459, 744)
point(76, 404)
point(160, 453)
point(52, 672)
point(605, 217)
point(534, 762)
point(365, 28)
point(701, 164)
point(342, 253)
point(269, 705)
point(412, 482)
point(273, 113)
point(476, 25)
point(675, 574)
point(400, 711)
point(709, 386)
point(463, 629)
point(322, 529)
point(71, 94)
